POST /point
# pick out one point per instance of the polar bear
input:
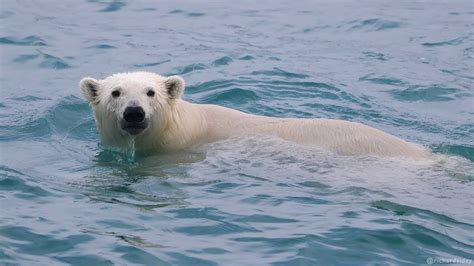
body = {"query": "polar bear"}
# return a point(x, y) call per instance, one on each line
point(148, 108)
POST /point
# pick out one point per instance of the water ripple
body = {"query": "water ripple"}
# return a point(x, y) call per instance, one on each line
point(47, 60)
point(196, 14)
point(31, 40)
point(466, 151)
point(382, 80)
point(404, 210)
point(24, 128)
point(247, 57)
point(374, 24)
point(456, 41)
point(152, 64)
point(235, 96)
point(23, 240)
point(189, 68)
point(176, 11)
point(13, 181)
point(280, 73)
point(84, 260)
point(222, 61)
point(102, 46)
point(25, 58)
point(111, 6)
point(434, 93)
point(53, 62)
point(376, 56)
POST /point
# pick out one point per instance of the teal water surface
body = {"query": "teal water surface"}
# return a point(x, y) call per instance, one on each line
point(405, 67)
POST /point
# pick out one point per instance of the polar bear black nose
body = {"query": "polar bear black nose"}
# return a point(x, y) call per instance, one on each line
point(134, 114)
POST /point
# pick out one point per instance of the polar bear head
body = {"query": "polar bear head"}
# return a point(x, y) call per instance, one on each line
point(130, 105)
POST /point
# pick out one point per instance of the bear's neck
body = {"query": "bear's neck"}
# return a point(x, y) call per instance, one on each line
point(187, 126)
point(190, 124)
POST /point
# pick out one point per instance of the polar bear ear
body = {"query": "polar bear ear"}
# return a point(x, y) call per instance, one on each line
point(90, 89)
point(174, 87)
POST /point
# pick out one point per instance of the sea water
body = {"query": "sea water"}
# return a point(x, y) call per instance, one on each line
point(405, 67)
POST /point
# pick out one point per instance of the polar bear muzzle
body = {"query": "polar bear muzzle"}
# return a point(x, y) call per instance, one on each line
point(134, 121)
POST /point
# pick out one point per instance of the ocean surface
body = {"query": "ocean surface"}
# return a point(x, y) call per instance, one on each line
point(405, 67)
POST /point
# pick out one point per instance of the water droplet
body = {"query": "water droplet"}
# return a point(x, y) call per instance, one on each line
point(131, 150)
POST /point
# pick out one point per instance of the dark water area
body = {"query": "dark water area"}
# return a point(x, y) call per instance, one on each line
point(403, 67)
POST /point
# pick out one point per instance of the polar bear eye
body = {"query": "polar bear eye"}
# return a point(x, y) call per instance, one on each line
point(150, 93)
point(115, 93)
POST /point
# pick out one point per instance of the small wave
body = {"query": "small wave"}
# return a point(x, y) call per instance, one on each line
point(457, 74)
point(27, 41)
point(25, 58)
point(113, 6)
point(29, 98)
point(151, 64)
point(218, 229)
point(210, 86)
point(434, 93)
point(246, 57)
point(405, 210)
point(305, 92)
point(189, 68)
point(13, 181)
point(102, 46)
point(26, 128)
point(390, 244)
point(70, 117)
point(469, 52)
point(264, 85)
point(459, 150)
point(196, 14)
point(84, 260)
point(222, 61)
point(26, 241)
point(377, 56)
point(374, 24)
point(147, 9)
point(233, 96)
point(134, 255)
point(48, 61)
point(382, 80)
point(465, 130)
point(176, 11)
point(456, 41)
point(188, 14)
point(315, 29)
point(280, 73)
point(53, 62)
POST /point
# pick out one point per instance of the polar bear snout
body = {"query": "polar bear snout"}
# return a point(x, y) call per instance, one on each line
point(134, 114)
point(134, 121)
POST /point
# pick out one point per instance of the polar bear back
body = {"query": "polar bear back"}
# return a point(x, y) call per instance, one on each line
point(343, 137)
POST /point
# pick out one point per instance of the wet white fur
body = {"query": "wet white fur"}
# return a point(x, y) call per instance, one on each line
point(176, 124)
